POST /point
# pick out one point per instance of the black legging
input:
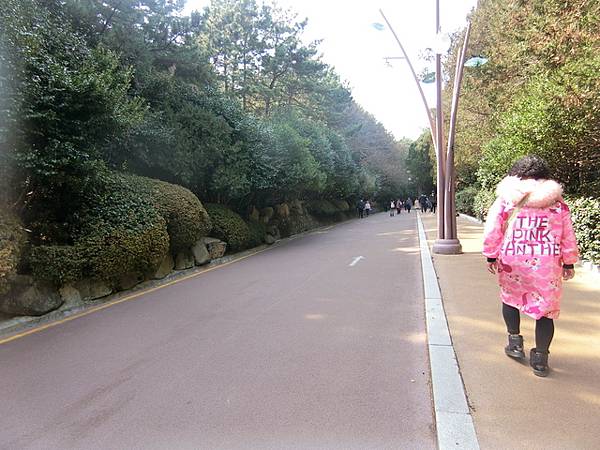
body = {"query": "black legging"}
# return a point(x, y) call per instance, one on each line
point(544, 327)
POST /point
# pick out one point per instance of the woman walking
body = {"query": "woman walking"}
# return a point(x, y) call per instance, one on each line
point(367, 208)
point(529, 241)
point(398, 206)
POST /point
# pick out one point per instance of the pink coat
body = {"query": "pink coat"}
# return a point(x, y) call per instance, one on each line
point(531, 252)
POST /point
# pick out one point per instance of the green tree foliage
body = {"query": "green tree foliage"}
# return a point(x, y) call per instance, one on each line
point(539, 93)
point(229, 103)
point(258, 54)
point(419, 165)
point(72, 101)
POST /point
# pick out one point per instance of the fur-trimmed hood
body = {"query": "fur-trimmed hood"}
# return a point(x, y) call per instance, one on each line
point(542, 193)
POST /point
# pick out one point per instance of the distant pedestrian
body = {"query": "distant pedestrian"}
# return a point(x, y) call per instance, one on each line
point(408, 204)
point(360, 208)
point(392, 208)
point(433, 201)
point(367, 208)
point(529, 241)
point(398, 206)
point(423, 201)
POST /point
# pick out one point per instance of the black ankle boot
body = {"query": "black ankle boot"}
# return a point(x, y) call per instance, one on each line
point(514, 349)
point(538, 360)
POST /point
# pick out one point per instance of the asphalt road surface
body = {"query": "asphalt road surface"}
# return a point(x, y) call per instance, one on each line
point(303, 346)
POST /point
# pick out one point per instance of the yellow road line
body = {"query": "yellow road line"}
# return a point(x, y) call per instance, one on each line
point(122, 300)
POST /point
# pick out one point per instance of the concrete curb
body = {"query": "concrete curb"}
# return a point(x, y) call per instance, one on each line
point(454, 423)
point(471, 218)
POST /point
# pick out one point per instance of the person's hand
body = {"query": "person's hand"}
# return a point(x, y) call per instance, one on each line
point(492, 267)
point(568, 274)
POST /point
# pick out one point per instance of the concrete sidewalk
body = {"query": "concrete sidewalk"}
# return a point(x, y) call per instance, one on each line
point(512, 408)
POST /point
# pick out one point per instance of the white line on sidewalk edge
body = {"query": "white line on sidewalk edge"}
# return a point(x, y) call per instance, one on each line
point(454, 422)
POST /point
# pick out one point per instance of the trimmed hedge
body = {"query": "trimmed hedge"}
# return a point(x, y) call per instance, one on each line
point(585, 212)
point(229, 227)
point(258, 233)
point(341, 205)
point(465, 200)
point(187, 220)
point(12, 241)
point(483, 202)
point(321, 208)
point(120, 231)
point(128, 225)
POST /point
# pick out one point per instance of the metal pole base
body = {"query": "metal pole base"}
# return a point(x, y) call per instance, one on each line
point(447, 247)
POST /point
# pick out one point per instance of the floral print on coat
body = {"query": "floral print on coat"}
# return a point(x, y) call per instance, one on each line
point(531, 246)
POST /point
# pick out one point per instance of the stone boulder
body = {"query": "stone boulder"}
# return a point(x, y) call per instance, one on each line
point(70, 295)
point(273, 231)
point(254, 215)
point(90, 289)
point(266, 214)
point(27, 297)
point(269, 239)
point(184, 260)
point(282, 210)
point(201, 255)
point(165, 267)
point(296, 206)
point(216, 248)
point(128, 281)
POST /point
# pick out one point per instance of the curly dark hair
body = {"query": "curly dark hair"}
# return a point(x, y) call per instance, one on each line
point(530, 167)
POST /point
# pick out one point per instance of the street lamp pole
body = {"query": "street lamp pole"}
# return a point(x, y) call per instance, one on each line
point(439, 135)
point(447, 241)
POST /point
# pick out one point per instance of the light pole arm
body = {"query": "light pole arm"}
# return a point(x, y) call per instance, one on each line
point(412, 70)
point(450, 207)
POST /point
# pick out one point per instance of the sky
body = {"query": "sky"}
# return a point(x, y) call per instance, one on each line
point(356, 49)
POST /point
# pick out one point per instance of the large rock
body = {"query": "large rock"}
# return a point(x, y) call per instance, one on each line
point(27, 297)
point(201, 255)
point(282, 210)
point(90, 289)
point(296, 206)
point(269, 239)
point(184, 260)
point(266, 214)
point(254, 215)
point(128, 281)
point(165, 268)
point(273, 230)
point(215, 247)
point(70, 295)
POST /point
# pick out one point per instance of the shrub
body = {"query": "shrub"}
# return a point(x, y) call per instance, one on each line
point(187, 220)
point(482, 203)
point(258, 232)
point(465, 200)
point(229, 227)
point(321, 208)
point(297, 223)
point(119, 231)
point(341, 205)
point(585, 212)
point(12, 241)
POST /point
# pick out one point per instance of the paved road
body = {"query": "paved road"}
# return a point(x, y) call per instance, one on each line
point(290, 348)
